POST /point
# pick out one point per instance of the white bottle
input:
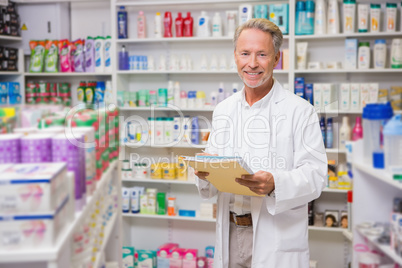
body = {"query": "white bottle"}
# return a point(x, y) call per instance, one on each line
point(396, 53)
point(214, 63)
point(213, 98)
point(362, 16)
point(391, 12)
point(333, 17)
point(349, 17)
point(170, 96)
point(245, 13)
point(109, 99)
point(344, 133)
point(99, 45)
point(231, 16)
point(204, 63)
point(162, 63)
point(221, 92)
point(203, 29)
point(158, 25)
point(222, 63)
point(108, 54)
point(183, 63)
point(151, 63)
point(217, 25)
point(176, 89)
point(189, 63)
point(380, 54)
point(364, 55)
point(320, 18)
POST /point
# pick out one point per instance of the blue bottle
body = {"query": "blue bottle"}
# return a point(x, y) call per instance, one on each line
point(195, 137)
point(330, 134)
point(308, 26)
point(322, 126)
point(122, 23)
point(123, 59)
point(300, 17)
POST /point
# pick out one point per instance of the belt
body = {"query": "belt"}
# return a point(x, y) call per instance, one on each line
point(241, 220)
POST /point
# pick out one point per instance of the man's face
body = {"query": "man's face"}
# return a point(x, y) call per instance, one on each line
point(255, 58)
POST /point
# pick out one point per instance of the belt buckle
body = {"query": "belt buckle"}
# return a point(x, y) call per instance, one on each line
point(235, 221)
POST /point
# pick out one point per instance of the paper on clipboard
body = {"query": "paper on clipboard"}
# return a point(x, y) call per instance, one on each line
point(222, 172)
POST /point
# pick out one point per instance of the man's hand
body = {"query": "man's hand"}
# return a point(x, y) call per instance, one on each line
point(201, 174)
point(261, 183)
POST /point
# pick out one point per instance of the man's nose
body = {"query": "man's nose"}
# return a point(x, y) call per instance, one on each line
point(253, 63)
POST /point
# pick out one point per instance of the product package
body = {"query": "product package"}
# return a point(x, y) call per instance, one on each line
point(279, 14)
point(79, 55)
point(396, 98)
point(89, 55)
point(51, 56)
point(64, 58)
point(317, 93)
point(128, 257)
point(299, 86)
point(351, 46)
point(37, 56)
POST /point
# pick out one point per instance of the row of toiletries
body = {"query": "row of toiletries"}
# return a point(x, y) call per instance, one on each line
point(319, 18)
point(10, 93)
point(206, 27)
point(168, 255)
point(395, 233)
point(94, 92)
point(158, 171)
point(173, 95)
point(10, 19)
point(338, 177)
point(345, 132)
point(90, 55)
point(8, 59)
point(48, 93)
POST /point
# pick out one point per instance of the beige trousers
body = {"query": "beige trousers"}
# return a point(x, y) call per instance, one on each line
point(240, 246)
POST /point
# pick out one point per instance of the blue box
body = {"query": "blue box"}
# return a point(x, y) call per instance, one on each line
point(308, 93)
point(351, 47)
point(14, 93)
point(261, 11)
point(3, 93)
point(299, 86)
point(186, 213)
point(279, 14)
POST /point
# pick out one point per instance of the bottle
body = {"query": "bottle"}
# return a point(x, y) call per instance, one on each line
point(203, 25)
point(167, 23)
point(333, 17)
point(396, 53)
point(330, 134)
point(158, 25)
point(195, 131)
point(213, 98)
point(170, 93)
point(245, 13)
point(300, 17)
point(380, 53)
point(122, 23)
point(375, 16)
point(231, 22)
point(108, 54)
point(235, 88)
point(204, 63)
point(320, 22)
point(81, 92)
point(183, 99)
point(123, 59)
point(188, 25)
point(349, 13)
point(364, 55)
point(221, 92)
point(109, 98)
point(179, 24)
point(90, 93)
point(308, 27)
point(362, 18)
point(222, 63)
point(141, 25)
point(217, 25)
point(177, 94)
point(391, 16)
point(214, 63)
point(357, 132)
point(99, 54)
point(344, 133)
point(323, 132)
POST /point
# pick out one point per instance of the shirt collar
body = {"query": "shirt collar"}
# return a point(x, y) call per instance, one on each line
point(260, 102)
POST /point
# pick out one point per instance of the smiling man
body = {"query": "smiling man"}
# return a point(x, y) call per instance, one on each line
point(278, 135)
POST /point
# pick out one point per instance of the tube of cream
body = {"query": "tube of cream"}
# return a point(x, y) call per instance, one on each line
point(301, 49)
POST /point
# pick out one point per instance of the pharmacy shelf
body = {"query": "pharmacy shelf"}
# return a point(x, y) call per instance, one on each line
point(149, 180)
point(174, 40)
point(10, 73)
point(379, 174)
point(53, 253)
point(192, 146)
point(344, 71)
point(166, 217)
point(348, 234)
point(329, 190)
point(165, 109)
point(201, 3)
point(335, 112)
point(107, 233)
point(71, 74)
point(137, 72)
point(386, 249)
point(343, 36)
point(326, 229)
point(335, 151)
point(10, 38)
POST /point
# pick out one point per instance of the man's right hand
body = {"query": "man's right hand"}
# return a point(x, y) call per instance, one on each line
point(202, 174)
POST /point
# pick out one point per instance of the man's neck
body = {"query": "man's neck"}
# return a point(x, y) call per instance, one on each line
point(255, 94)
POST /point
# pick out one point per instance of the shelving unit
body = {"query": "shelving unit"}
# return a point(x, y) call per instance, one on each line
point(68, 74)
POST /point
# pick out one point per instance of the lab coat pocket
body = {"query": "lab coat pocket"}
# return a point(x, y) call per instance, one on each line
point(292, 229)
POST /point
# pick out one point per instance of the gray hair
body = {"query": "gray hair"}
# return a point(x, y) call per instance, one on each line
point(264, 25)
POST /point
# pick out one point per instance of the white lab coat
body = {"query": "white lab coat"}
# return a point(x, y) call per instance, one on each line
point(280, 221)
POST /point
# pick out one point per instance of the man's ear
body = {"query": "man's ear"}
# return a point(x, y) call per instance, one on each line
point(277, 58)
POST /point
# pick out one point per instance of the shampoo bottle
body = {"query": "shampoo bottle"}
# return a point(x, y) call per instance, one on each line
point(349, 15)
point(245, 13)
point(320, 20)
point(357, 132)
point(217, 25)
point(141, 25)
point(344, 133)
point(323, 132)
point(333, 17)
point(203, 25)
point(300, 17)
point(158, 25)
point(188, 25)
point(167, 24)
point(330, 134)
point(122, 23)
point(308, 26)
point(99, 44)
point(179, 25)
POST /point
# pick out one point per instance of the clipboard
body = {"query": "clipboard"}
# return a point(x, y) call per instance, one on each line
point(222, 172)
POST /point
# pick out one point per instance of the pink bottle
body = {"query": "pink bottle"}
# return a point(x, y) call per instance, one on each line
point(141, 25)
point(188, 25)
point(167, 23)
point(357, 132)
point(179, 25)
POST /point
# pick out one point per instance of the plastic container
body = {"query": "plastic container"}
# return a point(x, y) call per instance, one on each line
point(362, 16)
point(380, 53)
point(140, 171)
point(168, 130)
point(357, 132)
point(393, 142)
point(156, 171)
point(245, 13)
point(391, 12)
point(375, 17)
point(374, 118)
point(396, 53)
point(329, 134)
point(217, 25)
point(300, 17)
point(179, 25)
point(158, 25)
point(349, 16)
point(122, 23)
point(159, 131)
point(167, 24)
point(364, 55)
point(320, 22)
point(123, 59)
point(333, 17)
point(141, 25)
point(308, 27)
point(344, 133)
point(203, 29)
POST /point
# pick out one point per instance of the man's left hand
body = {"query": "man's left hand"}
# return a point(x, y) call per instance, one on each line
point(261, 183)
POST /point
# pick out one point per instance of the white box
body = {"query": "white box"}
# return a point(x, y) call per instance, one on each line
point(351, 46)
point(364, 94)
point(345, 97)
point(317, 95)
point(31, 188)
point(355, 96)
point(29, 231)
point(373, 92)
point(329, 96)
